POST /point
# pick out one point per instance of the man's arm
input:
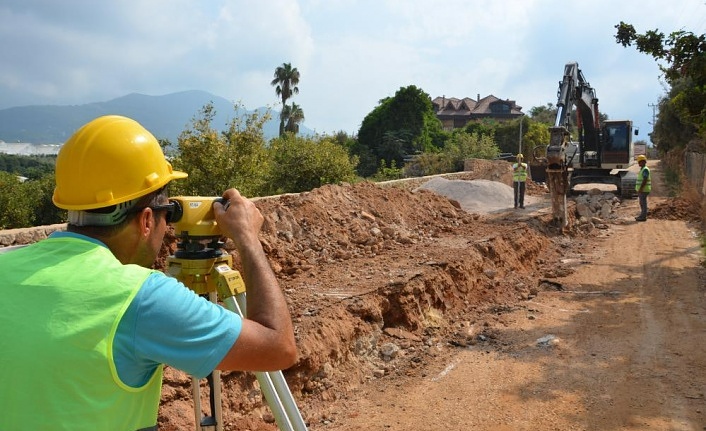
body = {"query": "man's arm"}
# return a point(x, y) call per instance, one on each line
point(266, 342)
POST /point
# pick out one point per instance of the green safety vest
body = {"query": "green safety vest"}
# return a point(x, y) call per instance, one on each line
point(62, 300)
point(648, 185)
point(519, 174)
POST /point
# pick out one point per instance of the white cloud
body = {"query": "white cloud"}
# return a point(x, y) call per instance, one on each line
point(351, 53)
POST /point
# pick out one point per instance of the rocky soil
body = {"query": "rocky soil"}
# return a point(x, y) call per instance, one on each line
point(383, 281)
point(432, 304)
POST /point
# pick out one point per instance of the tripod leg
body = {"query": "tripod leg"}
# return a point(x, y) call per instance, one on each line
point(273, 385)
point(287, 400)
point(196, 394)
point(215, 385)
point(215, 420)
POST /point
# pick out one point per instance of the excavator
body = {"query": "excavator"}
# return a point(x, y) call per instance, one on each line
point(602, 154)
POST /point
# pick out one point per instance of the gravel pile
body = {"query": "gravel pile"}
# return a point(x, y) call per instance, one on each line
point(476, 196)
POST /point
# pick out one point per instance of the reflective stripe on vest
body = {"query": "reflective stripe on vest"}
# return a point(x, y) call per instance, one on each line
point(519, 174)
point(63, 298)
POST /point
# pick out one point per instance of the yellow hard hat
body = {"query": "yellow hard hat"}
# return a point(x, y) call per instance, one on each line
point(641, 158)
point(111, 159)
point(520, 156)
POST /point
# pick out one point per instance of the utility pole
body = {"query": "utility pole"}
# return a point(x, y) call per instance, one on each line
point(654, 110)
point(654, 115)
point(519, 151)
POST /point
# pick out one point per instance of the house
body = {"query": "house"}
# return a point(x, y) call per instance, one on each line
point(456, 113)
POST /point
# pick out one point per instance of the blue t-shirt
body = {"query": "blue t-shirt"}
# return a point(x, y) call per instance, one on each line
point(167, 323)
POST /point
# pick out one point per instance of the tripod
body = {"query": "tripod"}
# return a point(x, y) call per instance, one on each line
point(206, 270)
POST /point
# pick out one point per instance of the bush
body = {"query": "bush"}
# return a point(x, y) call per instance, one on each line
point(302, 163)
point(217, 161)
point(27, 203)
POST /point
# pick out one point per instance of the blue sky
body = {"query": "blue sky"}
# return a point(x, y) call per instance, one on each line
point(350, 53)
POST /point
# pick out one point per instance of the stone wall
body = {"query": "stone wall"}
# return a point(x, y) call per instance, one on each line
point(24, 236)
point(695, 170)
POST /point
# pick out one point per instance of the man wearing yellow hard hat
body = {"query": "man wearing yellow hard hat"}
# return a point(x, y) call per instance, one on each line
point(87, 326)
point(643, 186)
point(519, 179)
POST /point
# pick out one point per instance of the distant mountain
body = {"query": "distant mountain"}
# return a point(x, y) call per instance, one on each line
point(165, 116)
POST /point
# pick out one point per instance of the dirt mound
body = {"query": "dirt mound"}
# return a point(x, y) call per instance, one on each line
point(677, 209)
point(375, 278)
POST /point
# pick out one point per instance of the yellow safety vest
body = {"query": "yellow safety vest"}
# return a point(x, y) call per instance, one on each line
point(519, 174)
point(648, 184)
point(62, 300)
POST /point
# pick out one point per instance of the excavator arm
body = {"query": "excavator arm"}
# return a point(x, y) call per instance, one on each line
point(574, 91)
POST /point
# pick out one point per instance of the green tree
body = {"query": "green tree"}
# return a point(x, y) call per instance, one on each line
point(342, 139)
point(385, 173)
point(34, 166)
point(293, 116)
point(535, 138)
point(535, 132)
point(484, 127)
point(215, 161)
point(670, 132)
point(303, 163)
point(460, 146)
point(45, 212)
point(26, 203)
point(286, 79)
point(507, 134)
point(685, 55)
point(464, 146)
point(544, 114)
point(17, 202)
point(399, 126)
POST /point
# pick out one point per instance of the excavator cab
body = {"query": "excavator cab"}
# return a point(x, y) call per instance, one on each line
point(618, 149)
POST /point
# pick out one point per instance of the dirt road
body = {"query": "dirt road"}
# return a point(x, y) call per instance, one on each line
point(619, 344)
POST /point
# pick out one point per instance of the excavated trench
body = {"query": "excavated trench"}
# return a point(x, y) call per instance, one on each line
point(376, 279)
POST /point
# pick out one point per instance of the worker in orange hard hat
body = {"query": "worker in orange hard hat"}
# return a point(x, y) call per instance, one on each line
point(643, 186)
point(86, 302)
point(519, 179)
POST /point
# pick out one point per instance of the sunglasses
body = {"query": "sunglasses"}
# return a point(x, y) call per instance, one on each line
point(173, 211)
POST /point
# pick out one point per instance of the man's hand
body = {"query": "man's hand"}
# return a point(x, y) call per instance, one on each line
point(239, 219)
point(266, 341)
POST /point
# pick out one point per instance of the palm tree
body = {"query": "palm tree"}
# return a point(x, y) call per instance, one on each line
point(284, 118)
point(295, 116)
point(285, 80)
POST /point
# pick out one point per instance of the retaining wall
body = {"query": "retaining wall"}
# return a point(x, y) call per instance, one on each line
point(695, 170)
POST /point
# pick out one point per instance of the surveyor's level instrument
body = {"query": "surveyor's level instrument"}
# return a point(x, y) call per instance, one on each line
point(209, 272)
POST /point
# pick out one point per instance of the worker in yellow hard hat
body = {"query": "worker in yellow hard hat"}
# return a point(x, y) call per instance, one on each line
point(519, 179)
point(87, 326)
point(643, 186)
